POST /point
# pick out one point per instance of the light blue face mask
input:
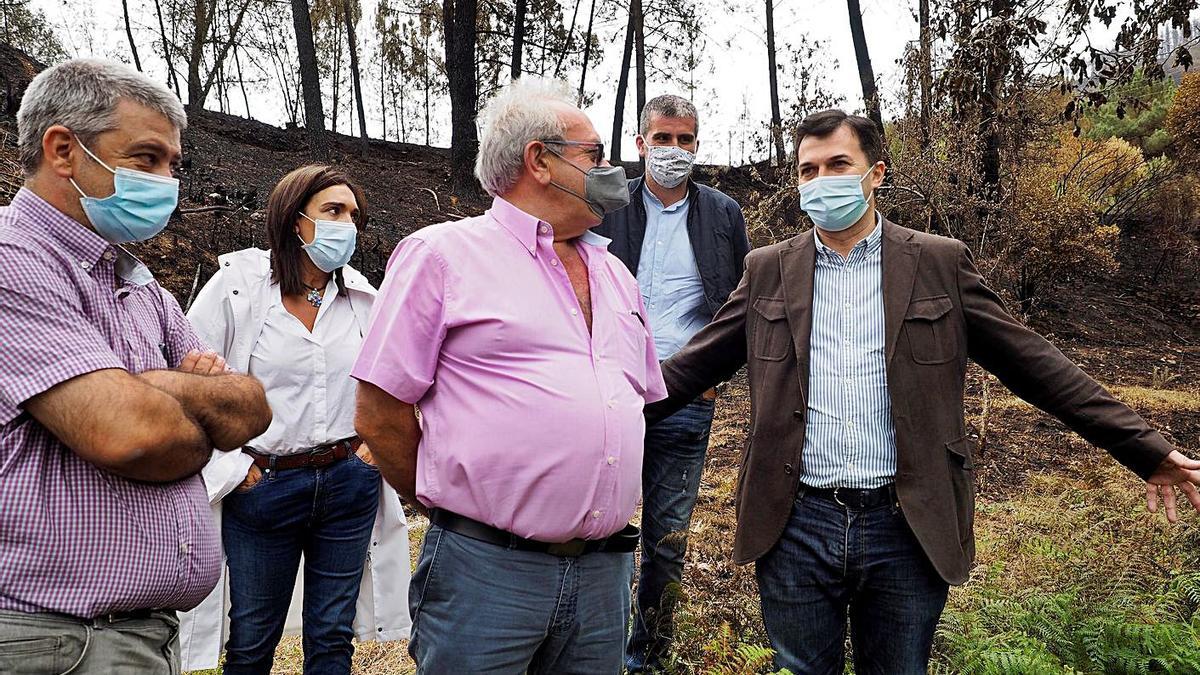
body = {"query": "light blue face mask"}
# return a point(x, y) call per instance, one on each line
point(332, 245)
point(139, 207)
point(834, 203)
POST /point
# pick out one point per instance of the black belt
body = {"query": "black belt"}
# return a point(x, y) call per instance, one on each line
point(624, 541)
point(852, 498)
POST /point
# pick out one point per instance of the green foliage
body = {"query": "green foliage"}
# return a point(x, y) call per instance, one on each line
point(27, 29)
point(1069, 632)
point(1136, 112)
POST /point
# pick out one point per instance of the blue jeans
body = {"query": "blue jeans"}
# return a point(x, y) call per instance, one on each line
point(671, 468)
point(327, 514)
point(832, 560)
point(481, 608)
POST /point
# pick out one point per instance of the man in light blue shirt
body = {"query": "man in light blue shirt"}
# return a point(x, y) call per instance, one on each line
point(686, 243)
point(668, 276)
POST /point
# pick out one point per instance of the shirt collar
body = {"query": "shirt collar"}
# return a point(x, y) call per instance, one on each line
point(76, 239)
point(652, 201)
point(592, 239)
point(872, 243)
point(528, 229)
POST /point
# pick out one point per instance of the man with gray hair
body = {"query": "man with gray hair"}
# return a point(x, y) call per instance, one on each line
point(524, 344)
point(109, 404)
point(685, 242)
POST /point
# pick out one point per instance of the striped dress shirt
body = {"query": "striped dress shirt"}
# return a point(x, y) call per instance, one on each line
point(850, 439)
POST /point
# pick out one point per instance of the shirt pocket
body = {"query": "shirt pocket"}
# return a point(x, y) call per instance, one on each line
point(930, 333)
point(631, 342)
point(772, 334)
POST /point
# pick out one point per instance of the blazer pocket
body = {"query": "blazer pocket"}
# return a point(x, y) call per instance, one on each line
point(930, 333)
point(961, 473)
point(772, 335)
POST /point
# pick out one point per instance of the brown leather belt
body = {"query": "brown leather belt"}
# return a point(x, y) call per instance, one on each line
point(314, 458)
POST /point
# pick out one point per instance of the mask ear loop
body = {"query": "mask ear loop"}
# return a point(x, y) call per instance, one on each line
point(595, 209)
point(305, 244)
point(94, 157)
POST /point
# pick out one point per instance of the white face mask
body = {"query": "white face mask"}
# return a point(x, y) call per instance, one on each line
point(669, 165)
point(332, 245)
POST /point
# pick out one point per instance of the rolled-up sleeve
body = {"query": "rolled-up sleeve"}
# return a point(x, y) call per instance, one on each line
point(45, 336)
point(408, 324)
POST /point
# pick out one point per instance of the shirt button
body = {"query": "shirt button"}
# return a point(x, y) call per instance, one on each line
point(574, 312)
point(183, 547)
point(554, 262)
point(543, 229)
point(85, 265)
point(595, 514)
point(612, 404)
point(612, 460)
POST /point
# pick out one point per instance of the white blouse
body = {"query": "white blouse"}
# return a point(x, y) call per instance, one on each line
point(307, 374)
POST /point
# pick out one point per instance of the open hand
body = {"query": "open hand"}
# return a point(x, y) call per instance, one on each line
point(1177, 471)
point(197, 362)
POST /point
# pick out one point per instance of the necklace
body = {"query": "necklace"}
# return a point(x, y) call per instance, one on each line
point(315, 296)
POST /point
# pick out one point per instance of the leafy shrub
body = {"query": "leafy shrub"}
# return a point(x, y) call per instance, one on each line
point(1183, 121)
point(1063, 632)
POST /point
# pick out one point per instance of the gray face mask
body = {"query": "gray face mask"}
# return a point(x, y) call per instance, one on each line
point(605, 187)
point(669, 165)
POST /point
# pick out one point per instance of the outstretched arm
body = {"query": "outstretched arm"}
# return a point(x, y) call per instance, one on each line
point(1038, 372)
point(712, 356)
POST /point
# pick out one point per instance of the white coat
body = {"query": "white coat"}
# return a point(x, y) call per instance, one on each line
point(229, 314)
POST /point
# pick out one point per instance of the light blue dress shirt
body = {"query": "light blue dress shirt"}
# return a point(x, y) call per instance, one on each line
point(850, 439)
point(668, 277)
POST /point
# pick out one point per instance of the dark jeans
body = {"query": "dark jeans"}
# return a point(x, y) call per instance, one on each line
point(671, 468)
point(831, 560)
point(482, 608)
point(327, 514)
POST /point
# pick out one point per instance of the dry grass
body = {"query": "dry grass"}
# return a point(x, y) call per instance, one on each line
point(1140, 398)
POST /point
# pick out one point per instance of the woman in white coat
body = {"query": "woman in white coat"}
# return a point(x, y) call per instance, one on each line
point(294, 317)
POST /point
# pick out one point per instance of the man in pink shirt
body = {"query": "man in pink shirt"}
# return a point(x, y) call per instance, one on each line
point(523, 342)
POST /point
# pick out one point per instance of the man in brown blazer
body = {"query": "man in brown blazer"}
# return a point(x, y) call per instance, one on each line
point(856, 491)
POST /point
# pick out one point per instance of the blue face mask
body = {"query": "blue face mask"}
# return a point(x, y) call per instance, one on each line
point(139, 207)
point(834, 203)
point(332, 245)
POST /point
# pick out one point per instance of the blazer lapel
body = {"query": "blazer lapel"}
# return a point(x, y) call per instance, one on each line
point(796, 263)
point(900, 256)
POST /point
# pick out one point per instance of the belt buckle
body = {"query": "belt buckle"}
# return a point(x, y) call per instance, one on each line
point(837, 497)
point(567, 549)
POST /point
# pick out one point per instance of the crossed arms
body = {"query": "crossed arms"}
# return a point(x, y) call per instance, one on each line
point(158, 426)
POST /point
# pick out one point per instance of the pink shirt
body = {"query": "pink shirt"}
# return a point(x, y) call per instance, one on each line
point(529, 424)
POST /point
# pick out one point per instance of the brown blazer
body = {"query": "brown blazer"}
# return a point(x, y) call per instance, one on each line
point(938, 312)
